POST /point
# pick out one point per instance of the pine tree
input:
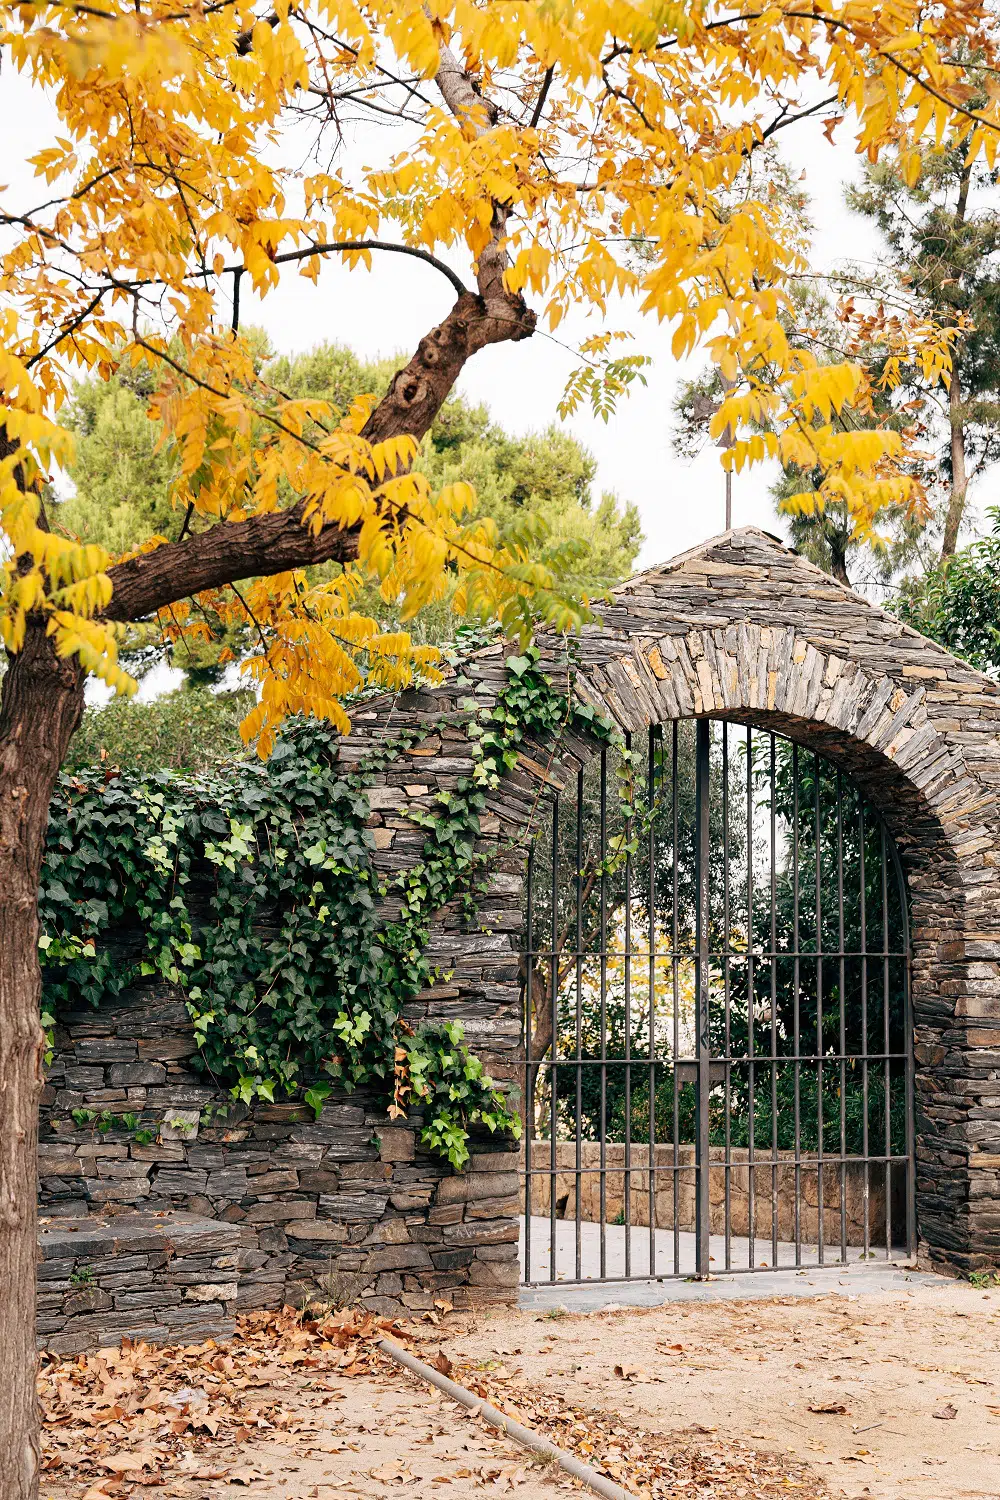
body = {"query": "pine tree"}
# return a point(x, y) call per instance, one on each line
point(942, 234)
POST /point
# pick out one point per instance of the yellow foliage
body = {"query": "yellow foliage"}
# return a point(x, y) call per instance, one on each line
point(607, 144)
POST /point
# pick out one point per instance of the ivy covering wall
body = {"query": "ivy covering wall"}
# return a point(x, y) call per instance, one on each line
point(253, 890)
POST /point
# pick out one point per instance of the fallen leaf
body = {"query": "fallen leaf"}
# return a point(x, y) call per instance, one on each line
point(442, 1363)
point(946, 1414)
point(829, 1408)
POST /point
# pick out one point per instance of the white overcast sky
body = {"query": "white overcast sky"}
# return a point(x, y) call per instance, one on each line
point(387, 312)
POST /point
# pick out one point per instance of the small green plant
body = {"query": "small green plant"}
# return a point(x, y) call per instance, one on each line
point(145, 1137)
point(211, 1115)
point(82, 1276)
point(984, 1280)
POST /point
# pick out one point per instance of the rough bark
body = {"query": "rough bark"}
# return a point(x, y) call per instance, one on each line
point(838, 560)
point(956, 416)
point(959, 474)
point(41, 700)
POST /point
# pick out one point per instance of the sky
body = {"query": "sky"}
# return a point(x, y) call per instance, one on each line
point(681, 503)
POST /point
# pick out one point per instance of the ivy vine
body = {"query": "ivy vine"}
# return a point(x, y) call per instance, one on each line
point(253, 890)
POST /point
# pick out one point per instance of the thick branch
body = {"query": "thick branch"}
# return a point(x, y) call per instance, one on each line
point(278, 541)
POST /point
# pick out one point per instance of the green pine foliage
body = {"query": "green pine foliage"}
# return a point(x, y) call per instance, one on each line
point(958, 602)
point(191, 730)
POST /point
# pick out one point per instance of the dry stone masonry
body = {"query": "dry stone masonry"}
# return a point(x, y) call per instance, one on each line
point(156, 1277)
point(740, 628)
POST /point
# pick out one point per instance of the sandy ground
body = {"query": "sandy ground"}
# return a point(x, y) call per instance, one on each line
point(884, 1396)
point(891, 1369)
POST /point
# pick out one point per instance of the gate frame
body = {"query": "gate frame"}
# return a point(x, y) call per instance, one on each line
point(700, 1068)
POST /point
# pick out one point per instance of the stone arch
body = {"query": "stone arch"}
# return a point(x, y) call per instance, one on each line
point(744, 629)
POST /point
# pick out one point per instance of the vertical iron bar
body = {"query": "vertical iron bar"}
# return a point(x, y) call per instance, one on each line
point(651, 842)
point(843, 1018)
point(910, 1143)
point(796, 1007)
point(886, 1043)
point(627, 1176)
point(863, 874)
point(774, 1005)
point(702, 771)
point(751, 1076)
point(820, 1052)
point(529, 1080)
point(578, 1136)
point(604, 1014)
point(727, 996)
point(676, 977)
point(554, 1047)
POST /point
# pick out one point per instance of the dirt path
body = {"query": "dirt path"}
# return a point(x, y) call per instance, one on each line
point(887, 1396)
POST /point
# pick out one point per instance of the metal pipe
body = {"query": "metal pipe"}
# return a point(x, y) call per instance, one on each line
point(526, 1436)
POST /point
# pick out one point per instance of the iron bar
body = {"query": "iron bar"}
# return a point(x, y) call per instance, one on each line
point(702, 1016)
point(753, 1031)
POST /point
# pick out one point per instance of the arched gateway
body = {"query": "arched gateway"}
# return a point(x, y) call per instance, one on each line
point(806, 1012)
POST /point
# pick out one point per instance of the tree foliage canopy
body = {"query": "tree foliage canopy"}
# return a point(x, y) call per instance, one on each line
point(543, 143)
point(123, 475)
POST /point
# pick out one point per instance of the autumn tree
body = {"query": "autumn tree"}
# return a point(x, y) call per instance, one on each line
point(528, 148)
point(122, 475)
point(941, 228)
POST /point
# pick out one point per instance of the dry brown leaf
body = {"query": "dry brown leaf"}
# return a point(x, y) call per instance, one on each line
point(829, 1408)
point(946, 1414)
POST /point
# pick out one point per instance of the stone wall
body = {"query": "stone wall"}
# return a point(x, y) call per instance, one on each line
point(156, 1277)
point(344, 1206)
point(743, 629)
point(864, 1224)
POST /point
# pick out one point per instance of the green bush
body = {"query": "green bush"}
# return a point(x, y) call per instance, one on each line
point(190, 730)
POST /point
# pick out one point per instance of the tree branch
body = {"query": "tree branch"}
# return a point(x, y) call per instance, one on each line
point(280, 541)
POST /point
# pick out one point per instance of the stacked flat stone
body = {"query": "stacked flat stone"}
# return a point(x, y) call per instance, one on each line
point(162, 1278)
point(346, 1206)
point(740, 628)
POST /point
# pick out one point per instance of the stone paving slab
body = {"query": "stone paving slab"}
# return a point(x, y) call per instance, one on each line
point(593, 1295)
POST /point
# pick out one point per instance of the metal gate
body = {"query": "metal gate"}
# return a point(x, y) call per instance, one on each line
point(717, 1046)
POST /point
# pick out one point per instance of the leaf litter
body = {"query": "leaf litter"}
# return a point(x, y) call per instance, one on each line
point(143, 1414)
point(152, 1420)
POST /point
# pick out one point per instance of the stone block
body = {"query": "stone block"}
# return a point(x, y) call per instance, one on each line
point(131, 1075)
point(397, 1258)
point(86, 1299)
point(219, 1291)
point(181, 1183)
point(281, 1212)
point(180, 1125)
point(395, 1144)
point(230, 1182)
point(470, 1186)
point(286, 1180)
point(352, 1207)
point(315, 1230)
point(105, 1049)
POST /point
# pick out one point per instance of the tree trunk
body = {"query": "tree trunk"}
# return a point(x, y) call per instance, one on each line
point(41, 699)
point(959, 477)
point(838, 559)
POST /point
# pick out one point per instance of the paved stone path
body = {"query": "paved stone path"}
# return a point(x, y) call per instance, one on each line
point(809, 1280)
